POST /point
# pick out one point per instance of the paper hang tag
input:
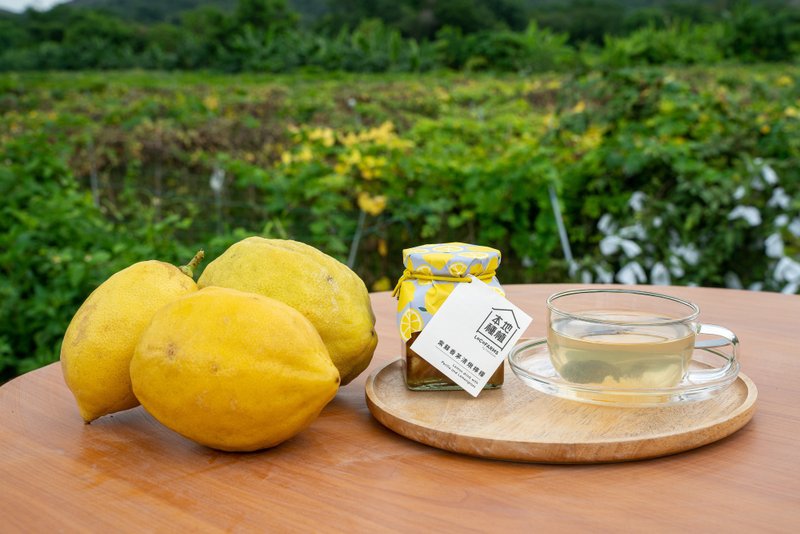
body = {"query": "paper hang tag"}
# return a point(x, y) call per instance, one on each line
point(471, 334)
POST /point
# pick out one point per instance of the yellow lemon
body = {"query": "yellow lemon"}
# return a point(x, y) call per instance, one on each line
point(99, 342)
point(447, 248)
point(406, 295)
point(425, 271)
point(232, 370)
point(320, 287)
point(410, 322)
point(458, 269)
point(476, 269)
point(478, 255)
point(436, 295)
point(437, 260)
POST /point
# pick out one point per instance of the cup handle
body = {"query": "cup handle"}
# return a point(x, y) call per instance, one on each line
point(726, 338)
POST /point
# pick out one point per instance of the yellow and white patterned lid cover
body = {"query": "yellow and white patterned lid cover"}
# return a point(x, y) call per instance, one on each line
point(420, 294)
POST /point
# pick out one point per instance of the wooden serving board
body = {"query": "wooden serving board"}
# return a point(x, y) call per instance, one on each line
point(518, 423)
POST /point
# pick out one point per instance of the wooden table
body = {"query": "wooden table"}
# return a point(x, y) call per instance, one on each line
point(348, 473)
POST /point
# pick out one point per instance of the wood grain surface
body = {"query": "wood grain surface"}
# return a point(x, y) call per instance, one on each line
point(349, 473)
point(517, 423)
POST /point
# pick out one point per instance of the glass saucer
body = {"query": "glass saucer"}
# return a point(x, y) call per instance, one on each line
point(530, 361)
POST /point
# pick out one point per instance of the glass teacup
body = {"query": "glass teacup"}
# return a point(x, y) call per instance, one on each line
point(629, 339)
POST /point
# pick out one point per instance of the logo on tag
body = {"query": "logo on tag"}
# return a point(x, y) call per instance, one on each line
point(499, 327)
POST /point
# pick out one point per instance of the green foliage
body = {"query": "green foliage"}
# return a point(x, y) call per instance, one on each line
point(686, 175)
point(681, 43)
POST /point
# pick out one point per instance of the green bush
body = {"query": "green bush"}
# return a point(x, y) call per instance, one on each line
point(679, 176)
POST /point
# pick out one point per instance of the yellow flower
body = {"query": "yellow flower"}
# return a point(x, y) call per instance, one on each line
point(791, 111)
point(580, 107)
point(323, 134)
point(784, 81)
point(286, 158)
point(553, 84)
point(341, 168)
point(211, 102)
point(374, 205)
point(765, 129)
point(353, 158)
point(382, 284)
point(305, 154)
point(591, 139)
point(383, 248)
point(349, 139)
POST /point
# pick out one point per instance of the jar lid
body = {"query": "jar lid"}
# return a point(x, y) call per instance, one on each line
point(451, 259)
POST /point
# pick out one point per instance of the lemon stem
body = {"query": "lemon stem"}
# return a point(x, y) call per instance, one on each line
point(189, 268)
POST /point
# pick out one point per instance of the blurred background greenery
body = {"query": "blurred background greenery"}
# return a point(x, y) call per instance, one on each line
point(668, 132)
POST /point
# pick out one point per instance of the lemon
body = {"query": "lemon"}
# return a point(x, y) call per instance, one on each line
point(99, 342)
point(436, 296)
point(232, 370)
point(320, 287)
point(447, 248)
point(437, 260)
point(477, 255)
point(458, 269)
point(410, 322)
point(424, 270)
point(407, 290)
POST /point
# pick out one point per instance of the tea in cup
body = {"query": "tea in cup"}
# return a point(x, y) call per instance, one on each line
point(627, 339)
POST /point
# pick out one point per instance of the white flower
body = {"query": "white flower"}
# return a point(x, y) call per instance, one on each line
point(790, 288)
point(780, 199)
point(687, 253)
point(603, 276)
point(774, 245)
point(606, 224)
point(781, 220)
point(611, 244)
point(732, 280)
point(794, 227)
point(750, 214)
point(636, 231)
point(756, 286)
point(675, 266)
point(527, 262)
point(351, 102)
point(217, 180)
point(657, 222)
point(636, 202)
point(631, 273)
point(787, 270)
point(770, 176)
point(659, 275)
point(739, 193)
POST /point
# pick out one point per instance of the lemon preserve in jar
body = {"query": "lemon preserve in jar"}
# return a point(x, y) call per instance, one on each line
point(431, 274)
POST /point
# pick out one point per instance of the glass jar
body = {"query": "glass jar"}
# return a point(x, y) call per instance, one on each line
point(431, 274)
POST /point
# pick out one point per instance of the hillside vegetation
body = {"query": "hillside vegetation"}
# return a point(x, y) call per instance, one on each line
point(684, 176)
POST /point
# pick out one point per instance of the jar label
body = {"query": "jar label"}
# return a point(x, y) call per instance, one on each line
point(471, 334)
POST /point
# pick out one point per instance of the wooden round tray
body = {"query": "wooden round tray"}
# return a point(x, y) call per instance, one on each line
point(518, 423)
